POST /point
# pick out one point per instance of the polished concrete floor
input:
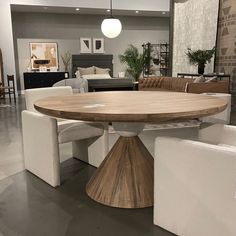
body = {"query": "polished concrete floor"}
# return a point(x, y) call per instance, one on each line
point(30, 207)
point(11, 154)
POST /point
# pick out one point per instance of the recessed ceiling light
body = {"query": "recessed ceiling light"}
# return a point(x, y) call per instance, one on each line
point(163, 13)
point(45, 8)
point(77, 9)
point(108, 10)
point(137, 12)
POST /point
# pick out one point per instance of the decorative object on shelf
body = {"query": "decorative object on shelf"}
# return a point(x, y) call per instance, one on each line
point(121, 74)
point(85, 45)
point(42, 52)
point(42, 69)
point(200, 58)
point(53, 69)
point(134, 61)
point(111, 27)
point(42, 64)
point(98, 45)
point(157, 59)
point(66, 58)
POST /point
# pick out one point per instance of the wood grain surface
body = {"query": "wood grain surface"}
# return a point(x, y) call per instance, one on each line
point(131, 106)
point(125, 177)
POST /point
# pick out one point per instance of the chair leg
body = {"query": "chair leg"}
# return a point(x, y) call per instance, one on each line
point(14, 94)
point(14, 91)
point(9, 93)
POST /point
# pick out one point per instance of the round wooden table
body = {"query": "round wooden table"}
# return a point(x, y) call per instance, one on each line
point(125, 177)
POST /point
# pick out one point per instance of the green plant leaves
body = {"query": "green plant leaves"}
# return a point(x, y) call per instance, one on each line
point(200, 57)
point(134, 61)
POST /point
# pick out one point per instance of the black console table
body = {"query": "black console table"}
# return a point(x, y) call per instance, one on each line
point(43, 79)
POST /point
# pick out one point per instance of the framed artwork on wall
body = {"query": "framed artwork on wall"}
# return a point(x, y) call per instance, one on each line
point(85, 45)
point(98, 45)
point(43, 54)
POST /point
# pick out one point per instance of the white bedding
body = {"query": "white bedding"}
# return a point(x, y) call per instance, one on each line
point(96, 76)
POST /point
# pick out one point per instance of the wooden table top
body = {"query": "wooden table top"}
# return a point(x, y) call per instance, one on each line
point(131, 106)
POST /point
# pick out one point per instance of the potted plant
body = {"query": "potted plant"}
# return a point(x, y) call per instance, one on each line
point(200, 58)
point(134, 61)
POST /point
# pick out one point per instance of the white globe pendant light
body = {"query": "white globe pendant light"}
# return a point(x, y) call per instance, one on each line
point(111, 27)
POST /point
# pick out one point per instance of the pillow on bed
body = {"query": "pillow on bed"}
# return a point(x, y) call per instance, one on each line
point(97, 76)
point(102, 71)
point(199, 79)
point(212, 79)
point(86, 71)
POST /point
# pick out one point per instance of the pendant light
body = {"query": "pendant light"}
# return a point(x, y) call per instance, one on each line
point(111, 27)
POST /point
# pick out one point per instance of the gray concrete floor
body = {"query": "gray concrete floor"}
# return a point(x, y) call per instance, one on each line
point(30, 207)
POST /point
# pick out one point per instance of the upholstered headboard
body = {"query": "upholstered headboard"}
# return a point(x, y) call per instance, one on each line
point(103, 61)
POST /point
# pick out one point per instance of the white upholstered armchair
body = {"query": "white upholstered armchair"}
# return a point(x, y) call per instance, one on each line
point(43, 134)
point(195, 183)
point(78, 85)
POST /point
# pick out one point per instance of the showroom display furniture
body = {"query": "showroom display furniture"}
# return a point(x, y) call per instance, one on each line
point(42, 135)
point(182, 85)
point(10, 89)
point(128, 158)
point(77, 85)
point(195, 183)
point(224, 116)
point(43, 79)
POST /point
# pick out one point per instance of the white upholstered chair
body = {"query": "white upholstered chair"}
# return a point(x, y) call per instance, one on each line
point(78, 85)
point(222, 117)
point(195, 183)
point(43, 134)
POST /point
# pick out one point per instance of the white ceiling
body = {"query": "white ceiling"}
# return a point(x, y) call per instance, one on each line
point(85, 11)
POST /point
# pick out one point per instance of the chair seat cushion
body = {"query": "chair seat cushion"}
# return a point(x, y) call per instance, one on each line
point(71, 130)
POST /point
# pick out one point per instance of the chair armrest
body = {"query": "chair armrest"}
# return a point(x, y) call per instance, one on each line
point(196, 181)
point(219, 134)
point(41, 148)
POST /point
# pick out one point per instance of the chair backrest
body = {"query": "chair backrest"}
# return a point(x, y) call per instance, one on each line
point(10, 77)
point(78, 85)
point(32, 95)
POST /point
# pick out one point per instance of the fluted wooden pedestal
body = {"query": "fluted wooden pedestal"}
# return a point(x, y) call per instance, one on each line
point(125, 177)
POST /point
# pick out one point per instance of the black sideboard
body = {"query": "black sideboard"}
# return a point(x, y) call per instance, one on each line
point(43, 79)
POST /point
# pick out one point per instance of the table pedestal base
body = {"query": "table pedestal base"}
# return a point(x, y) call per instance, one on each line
point(125, 177)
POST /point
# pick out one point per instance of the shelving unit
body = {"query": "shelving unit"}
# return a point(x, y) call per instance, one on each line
point(164, 59)
point(157, 59)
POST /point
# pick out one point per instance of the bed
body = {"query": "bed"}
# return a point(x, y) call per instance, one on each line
point(99, 82)
point(98, 60)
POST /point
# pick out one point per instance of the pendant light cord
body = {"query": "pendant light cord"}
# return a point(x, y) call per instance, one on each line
point(111, 7)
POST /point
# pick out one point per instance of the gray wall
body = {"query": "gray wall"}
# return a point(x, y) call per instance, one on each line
point(67, 29)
